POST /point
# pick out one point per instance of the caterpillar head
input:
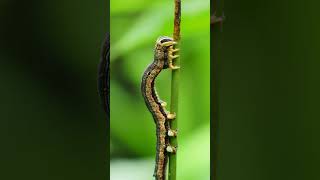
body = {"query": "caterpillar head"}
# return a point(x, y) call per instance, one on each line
point(161, 49)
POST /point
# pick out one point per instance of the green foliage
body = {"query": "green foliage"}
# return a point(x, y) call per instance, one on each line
point(133, 34)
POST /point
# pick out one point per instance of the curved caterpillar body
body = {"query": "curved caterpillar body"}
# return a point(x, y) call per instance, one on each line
point(162, 60)
point(104, 76)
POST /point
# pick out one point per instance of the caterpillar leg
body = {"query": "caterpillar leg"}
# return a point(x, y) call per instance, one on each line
point(171, 116)
point(163, 103)
point(171, 149)
point(171, 57)
point(171, 51)
point(172, 133)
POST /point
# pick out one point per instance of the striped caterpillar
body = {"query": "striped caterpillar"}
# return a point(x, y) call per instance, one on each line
point(104, 77)
point(163, 57)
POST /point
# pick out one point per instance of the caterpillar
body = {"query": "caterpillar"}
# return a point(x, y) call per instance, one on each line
point(163, 59)
point(104, 76)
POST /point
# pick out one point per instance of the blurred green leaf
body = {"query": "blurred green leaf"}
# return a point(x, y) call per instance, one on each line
point(158, 20)
point(194, 155)
point(127, 7)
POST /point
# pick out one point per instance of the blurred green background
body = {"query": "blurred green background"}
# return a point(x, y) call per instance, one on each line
point(134, 28)
point(52, 126)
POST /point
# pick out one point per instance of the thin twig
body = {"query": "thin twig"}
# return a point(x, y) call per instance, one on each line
point(175, 92)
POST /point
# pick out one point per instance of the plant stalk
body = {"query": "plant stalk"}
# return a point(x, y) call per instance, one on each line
point(175, 92)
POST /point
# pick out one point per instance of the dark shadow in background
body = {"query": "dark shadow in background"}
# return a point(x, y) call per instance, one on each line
point(266, 73)
point(51, 123)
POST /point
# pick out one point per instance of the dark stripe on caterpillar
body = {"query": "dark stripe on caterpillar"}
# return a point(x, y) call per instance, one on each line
point(104, 76)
